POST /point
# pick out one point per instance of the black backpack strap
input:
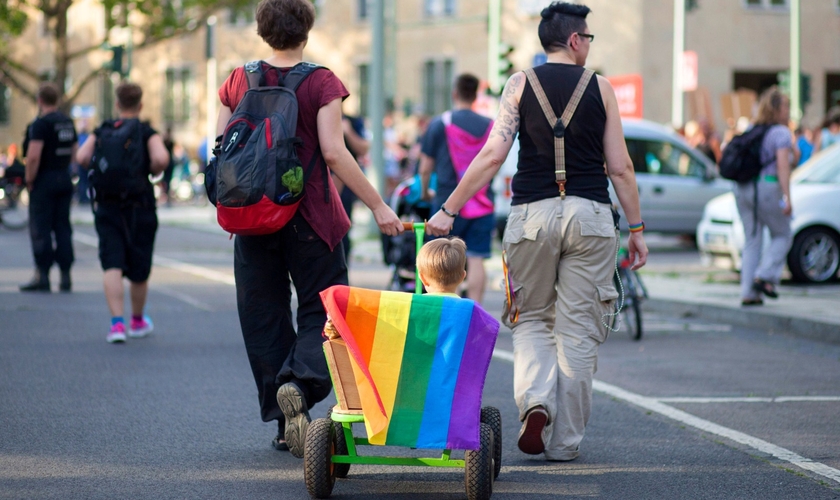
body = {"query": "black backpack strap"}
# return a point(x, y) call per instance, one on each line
point(253, 72)
point(298, 74)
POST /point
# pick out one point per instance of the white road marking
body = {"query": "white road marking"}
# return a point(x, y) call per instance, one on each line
point(654, 405)
point(184, 267)
point(780, 399)
point(183, 298)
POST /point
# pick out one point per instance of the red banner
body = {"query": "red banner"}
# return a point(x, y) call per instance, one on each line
point(629, 92)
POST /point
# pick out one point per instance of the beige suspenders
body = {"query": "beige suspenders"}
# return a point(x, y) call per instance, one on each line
point(559, 126)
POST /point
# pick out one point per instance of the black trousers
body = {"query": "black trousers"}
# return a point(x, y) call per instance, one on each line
point(49, 216)
point(265, 267)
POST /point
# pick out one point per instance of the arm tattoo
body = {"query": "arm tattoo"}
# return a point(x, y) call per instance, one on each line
point(507, 122)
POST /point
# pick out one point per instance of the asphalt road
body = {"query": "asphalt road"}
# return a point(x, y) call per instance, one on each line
point(694, 410)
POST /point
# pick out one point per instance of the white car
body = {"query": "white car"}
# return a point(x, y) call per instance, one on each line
point(814, 256)
point(675, 180)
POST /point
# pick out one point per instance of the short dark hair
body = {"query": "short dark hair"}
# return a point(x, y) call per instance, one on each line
point(285, 24)
point(48, 93)
point(129, 96)
point(559, 21)
point(466, 87)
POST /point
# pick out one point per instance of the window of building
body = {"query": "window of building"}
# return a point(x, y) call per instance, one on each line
point(364, 89)
point(436, 8)
point(178, 98)
point(832, 90)
point(5, 104)
point(767, 4)
point(363, 8)
point(437, 86)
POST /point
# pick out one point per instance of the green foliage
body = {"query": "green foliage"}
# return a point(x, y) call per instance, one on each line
point(12, 19)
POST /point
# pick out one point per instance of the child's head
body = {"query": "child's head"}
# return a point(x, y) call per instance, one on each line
point(442, 264)
point(129, 97)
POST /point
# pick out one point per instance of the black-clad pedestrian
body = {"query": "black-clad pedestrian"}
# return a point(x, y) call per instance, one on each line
point(51, 146)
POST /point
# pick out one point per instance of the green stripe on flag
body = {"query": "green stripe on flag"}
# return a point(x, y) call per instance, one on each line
point(418, 358)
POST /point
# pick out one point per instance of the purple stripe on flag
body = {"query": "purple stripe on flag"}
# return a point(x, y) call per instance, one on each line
point(466, 405)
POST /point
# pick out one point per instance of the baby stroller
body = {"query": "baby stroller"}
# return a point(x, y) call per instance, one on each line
point(399, 251)
point(402, 386)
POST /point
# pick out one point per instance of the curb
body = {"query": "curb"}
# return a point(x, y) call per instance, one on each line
point(768, 322)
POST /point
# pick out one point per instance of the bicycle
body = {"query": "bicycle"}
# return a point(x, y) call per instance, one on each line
point(632, 293)
point(14, 203)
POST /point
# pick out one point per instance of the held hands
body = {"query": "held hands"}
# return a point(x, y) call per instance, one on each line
point(387, 220)
point(440, 224)
point(637, 250)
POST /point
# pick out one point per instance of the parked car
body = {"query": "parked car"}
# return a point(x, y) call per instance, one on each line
point(814, 256)
point(675, 180)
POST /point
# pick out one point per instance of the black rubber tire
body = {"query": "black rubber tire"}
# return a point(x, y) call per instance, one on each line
point(318, 469)
point(478, 467)
point(633, 318)
point(796, 256)
point(341, 470)
point(493, 417)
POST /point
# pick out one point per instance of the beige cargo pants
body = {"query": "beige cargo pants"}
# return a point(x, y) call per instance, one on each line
point(561, 255)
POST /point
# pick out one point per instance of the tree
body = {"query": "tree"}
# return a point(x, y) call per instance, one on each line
point(152, 22)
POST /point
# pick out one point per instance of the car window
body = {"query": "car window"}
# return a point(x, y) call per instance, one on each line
point(824, 167)
point(663, 158)
point(637, 156)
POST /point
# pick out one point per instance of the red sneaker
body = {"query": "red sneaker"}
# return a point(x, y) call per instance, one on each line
point(530, 437)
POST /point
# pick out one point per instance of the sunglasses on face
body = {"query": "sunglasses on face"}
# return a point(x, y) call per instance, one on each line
point(588, 36)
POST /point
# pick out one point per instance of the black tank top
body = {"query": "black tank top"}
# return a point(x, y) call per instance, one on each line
point(585, 177)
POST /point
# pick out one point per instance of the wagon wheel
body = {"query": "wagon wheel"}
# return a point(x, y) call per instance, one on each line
point(341, 470)
point(318, 469)
point(478, 470)
point(493, 417)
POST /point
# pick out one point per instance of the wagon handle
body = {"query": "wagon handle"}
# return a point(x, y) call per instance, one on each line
point(419, 233)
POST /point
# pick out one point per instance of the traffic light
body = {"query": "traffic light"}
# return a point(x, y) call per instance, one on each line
point(783, 78)
point(117, 60)
point(505, 64)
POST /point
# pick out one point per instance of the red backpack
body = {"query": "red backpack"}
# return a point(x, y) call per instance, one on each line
point(258, 180)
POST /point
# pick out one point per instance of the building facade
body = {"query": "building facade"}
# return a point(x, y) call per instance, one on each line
point(738, 44)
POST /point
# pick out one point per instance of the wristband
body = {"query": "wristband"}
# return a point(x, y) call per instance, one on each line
point(447, 212)
point(636, 228)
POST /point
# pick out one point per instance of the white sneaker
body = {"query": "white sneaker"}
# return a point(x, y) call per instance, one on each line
point(116, 334)
point(140, 329)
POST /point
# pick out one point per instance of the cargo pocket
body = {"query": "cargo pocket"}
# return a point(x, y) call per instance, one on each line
point(517, 229)
point(605, 314)
point(597, 227)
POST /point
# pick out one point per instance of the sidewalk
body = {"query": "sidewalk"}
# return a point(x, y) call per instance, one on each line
point(677, 283)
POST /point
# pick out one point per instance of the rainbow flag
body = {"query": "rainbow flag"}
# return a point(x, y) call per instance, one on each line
point(420, 362)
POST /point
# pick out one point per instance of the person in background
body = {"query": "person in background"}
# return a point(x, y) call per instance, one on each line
point(804, 142)
point(126, 221)
point(166, 180)
point(52, 143)
point(830, 133)
point(358, 145)
point(451, 142)
point(766, 202)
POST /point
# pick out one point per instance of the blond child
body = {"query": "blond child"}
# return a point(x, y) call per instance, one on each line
point(442, 265)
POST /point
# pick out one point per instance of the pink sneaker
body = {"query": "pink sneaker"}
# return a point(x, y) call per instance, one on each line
point(140, 329)
point(116, 334)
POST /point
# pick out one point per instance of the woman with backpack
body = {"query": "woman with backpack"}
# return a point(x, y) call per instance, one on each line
point(289, 367)
point(765, 202)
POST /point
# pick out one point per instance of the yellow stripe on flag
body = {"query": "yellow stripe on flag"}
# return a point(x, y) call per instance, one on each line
point(387, 353)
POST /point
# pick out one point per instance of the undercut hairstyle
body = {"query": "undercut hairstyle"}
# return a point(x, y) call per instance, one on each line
point(285, 24)
point(559, 21)
point(129, 96)
point(466, 87)
point(48, 93)
point(443, 261)
point(769, 105)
